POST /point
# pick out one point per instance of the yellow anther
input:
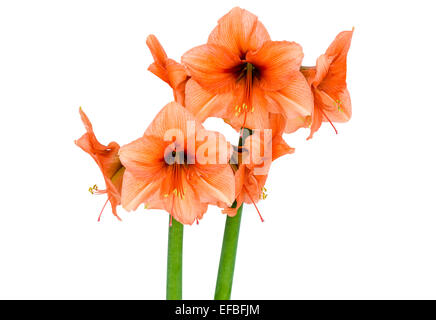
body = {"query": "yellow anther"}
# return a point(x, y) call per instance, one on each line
point(93, 189)
point(236, 108)
point(339, 103)
point(165, 195)
point(252, 109)
point(239, 110)
point(264, 195)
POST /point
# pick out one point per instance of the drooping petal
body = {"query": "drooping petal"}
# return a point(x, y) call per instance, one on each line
point(168, 70)
point(212, 66)
point(239, 31)
point(279, 146)
point(337, 52)
point(317, 118)
point(277, 62)
point(106, 158)
point(160, 58)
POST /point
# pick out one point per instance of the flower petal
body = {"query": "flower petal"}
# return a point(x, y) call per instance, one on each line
point(212, 66)
point(106, 158)
point(296, 102)
point(239, 31)
point(203, 104)
point(317, 118)
point(172, 117)
point(144, 157)
point(277, 62)
point(168, 70)
point(336, 54)
point(337, 108)
point(188, 208)
point(137, 191)
point(215, 183)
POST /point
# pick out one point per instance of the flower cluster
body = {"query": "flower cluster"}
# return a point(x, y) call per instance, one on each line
point(256, 85)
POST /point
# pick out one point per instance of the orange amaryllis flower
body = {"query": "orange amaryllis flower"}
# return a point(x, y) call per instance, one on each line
point(167, 69)
point(258, 152)
point(328, 84)
point(240, 75)
point(109, 162)
point(169, 174)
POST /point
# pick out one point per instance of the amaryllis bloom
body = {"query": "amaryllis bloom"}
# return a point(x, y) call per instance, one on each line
point(109, 162)
point(167, 173)
point(328, 83)
point(167, 69)
point(258, 152)
point(242, 76)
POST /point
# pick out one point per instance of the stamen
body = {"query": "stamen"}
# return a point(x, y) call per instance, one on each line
point(99, 217)
point(323, 113)
point(247, 74)
point(93, 189)
point(339, 105)
point(248, 193)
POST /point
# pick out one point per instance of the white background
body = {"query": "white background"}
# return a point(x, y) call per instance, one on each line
point(347, 216)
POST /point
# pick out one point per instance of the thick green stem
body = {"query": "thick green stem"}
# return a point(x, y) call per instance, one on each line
point(174, 262)
point(226, 269)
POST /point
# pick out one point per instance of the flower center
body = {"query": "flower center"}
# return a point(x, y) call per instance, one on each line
point(177, 161)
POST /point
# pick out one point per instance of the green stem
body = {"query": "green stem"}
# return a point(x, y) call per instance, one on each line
point(226, 269)
point(174, 262)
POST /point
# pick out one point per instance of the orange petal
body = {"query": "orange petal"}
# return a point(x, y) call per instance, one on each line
point(337, 55)
point(203, 104)
point(159, 56)
point(296, 102)
point(254, 117)
point(277, 62)
point(337, 108)
point(309, 73)
point(106, 158)
point(215, 183)
point(144, 157)
point(239, 31)
point(168, 70)
point(317, 118)
point(137, 191)
point(188, 208)
point(172, 116)
point(212, 67)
